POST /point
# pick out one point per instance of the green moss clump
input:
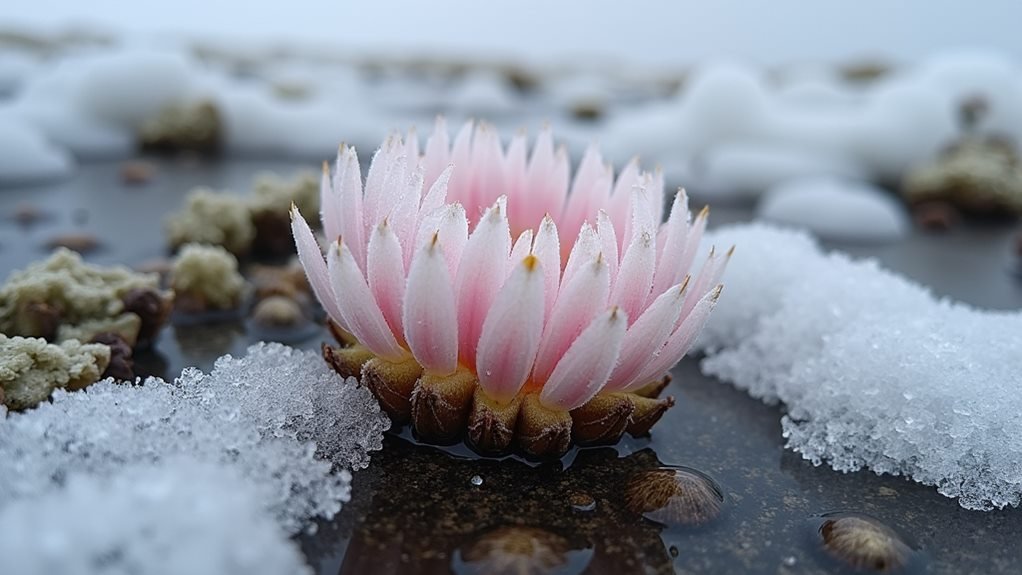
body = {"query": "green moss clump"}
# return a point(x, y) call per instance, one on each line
point(271, 193)
point(62, 297)
point(206, 277)
point(30, 368)
point(215, 218)
point(195, 127)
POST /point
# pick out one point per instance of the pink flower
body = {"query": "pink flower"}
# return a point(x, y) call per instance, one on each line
point(475, 284)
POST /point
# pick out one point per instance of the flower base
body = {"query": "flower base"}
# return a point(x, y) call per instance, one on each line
point(443, 409)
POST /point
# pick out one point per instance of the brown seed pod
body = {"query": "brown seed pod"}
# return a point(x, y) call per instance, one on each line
point(491, 425)
point(347, 361)
point(542, 432)
point(863, 542)
point(515, 550)
point(647, 413)
point(440, 405)
point(602, 419)
point(674, 496)
point(392, 383)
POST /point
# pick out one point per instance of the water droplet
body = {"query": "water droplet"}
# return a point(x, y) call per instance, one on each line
point(581, 501)
point(674, 496)
point(673, 551)
point(789, 561)
point(476, 480)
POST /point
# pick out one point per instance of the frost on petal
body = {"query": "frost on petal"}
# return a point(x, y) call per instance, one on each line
point(430, 317)
point(635, 276)
point(481, 273)
point(707, 279)
point(315, 267)
point(547, 248)
point(608, 243)
point(437, 156)
point(590, 191)
point(670, 267)
point(646, 335)
point(386, 274)
point(521, 248)
point(679, 343)
point(487, 179)
point(580, 299)
point(620, 206)
point(587, 364)
point(586, 248)
point(436, 197)
point(511, 333)
point(358, 307)
point(404, 214)
point(347, 185)
point(330, 207)
point(459, 188)
point(387, 166)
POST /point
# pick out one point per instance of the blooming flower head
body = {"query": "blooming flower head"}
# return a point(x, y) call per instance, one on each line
point(483, 289)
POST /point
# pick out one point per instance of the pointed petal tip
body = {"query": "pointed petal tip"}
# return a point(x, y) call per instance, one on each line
point(716, 292)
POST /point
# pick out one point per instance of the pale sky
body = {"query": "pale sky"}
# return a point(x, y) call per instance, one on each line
point(642, 31)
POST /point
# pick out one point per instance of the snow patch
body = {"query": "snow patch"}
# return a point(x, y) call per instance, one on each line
point(26, 156)
point(176, 516)
point(259, 415)
point(874, 370)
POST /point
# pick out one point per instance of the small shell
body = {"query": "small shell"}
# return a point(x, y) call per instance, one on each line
point(863, 542)
point(674, 496)
point(515, 550)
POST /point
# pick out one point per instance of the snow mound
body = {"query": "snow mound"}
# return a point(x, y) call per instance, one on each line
point(127, 88)
point(253, 415)
point(26, 156)
point(484, 94)
point(835, 209)
point(875, 372)
point(734, 171)
point(178, 516)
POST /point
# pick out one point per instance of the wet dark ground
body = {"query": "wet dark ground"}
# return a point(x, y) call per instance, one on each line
point(421, 509)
